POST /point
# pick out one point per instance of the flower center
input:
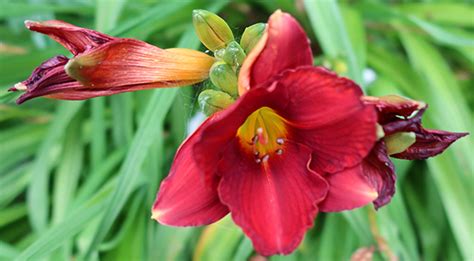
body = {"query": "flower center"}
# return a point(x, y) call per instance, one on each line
point(263, 134)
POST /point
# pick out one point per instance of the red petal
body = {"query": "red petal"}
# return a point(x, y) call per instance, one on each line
point(274, 202)
point(348, 189)
point(429, 143)
point(372, 180)
point(126, 62)
point(380, 172)
point(74, 38)
point(319, 97)
point(184, 198)
point(283, 46)
point(341, 144)
point(329, 117)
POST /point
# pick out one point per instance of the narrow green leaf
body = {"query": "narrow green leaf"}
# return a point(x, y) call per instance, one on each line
point(218, 241)
point(443, 36)
point(77, 219)
point(98, 142)
point(328, 24)
point(454, 13)
point(15, 9)
point(11, 214)
point(37, 194)
point(7, 252)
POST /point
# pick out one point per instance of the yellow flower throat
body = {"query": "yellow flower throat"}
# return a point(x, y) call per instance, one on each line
point(263, 134)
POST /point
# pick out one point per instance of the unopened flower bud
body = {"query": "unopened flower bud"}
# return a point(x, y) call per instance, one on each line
point(251, 36)
point(233, 54)
point(335, 64)
point(340, 66)
point(399, 142)
point(224, 77)
point(212, 101)
point(212, 30)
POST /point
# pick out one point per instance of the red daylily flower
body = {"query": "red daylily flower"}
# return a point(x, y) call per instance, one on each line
point(377, 172)
point(104, 65)
point(253, 159)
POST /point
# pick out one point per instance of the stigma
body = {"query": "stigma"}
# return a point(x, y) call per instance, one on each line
point(263, 134)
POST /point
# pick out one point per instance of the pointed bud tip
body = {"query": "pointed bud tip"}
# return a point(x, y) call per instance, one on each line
point(211, 29)
point(29, 23)
point(251, 36)
point(199, 13)
point(18, 87)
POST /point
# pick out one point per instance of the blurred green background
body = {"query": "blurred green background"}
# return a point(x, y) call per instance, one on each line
point(77, 179)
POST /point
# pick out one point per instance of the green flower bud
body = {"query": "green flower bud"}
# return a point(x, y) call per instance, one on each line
point(251, 36)
point(224, 78)
point(212, 101)
point(340, 66)
point(212, 30)
point(399, 142)
point(233, 54)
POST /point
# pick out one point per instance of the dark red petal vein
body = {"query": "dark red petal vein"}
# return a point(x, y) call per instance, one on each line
point(274, 203)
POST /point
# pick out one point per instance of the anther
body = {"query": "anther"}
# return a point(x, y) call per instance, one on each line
point(265, 158)
point(256, 153)
point(258, 160)
point(280, 141)
point(279, 151)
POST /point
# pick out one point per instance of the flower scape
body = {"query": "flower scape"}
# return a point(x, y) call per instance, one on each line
point(284, 139)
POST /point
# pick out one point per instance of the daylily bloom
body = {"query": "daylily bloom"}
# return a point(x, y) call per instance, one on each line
point(104, 65)
point(253, 158)
point(404, 138)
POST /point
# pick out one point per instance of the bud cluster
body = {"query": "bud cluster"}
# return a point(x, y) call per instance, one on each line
point(217, 36)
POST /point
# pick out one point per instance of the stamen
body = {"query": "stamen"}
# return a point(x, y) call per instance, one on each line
point(263, 134)
point(254, 140)
point(261, 137)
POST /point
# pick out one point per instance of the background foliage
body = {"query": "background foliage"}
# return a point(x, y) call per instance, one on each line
point(77, 179)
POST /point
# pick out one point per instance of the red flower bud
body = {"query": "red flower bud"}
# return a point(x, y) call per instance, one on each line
point(104, 65)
